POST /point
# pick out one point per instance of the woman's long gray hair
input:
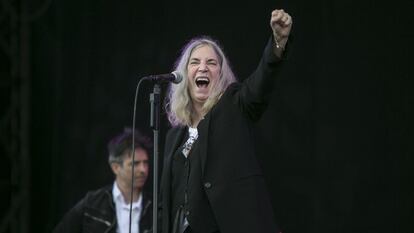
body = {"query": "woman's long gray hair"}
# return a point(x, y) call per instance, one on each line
point(178, 103)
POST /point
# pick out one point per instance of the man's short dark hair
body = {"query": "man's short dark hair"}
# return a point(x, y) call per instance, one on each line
point(122, 144)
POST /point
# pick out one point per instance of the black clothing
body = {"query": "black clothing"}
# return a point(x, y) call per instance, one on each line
point(232, 197)
point(180, 171)
point(185, 175)
point(96, 213)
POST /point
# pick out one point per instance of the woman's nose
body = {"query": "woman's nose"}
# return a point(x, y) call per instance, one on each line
point(202, 67)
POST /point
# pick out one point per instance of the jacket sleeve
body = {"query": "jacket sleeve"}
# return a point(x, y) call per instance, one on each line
point(254, 93)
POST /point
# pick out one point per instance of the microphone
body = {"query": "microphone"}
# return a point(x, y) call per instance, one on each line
point(175, 77)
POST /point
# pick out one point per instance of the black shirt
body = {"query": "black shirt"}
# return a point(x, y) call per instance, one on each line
point(187, 187)
point(182, 171)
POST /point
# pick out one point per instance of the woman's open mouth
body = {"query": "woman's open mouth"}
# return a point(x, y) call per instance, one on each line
point(202, 82)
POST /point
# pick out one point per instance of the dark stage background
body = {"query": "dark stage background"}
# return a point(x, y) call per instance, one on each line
point(336, 143)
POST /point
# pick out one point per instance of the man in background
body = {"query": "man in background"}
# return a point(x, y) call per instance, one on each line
point(108, 209)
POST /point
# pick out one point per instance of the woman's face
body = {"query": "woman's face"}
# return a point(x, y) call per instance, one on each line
point(203, 71)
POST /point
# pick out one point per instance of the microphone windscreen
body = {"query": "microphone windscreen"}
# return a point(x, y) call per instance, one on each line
point(178, 77)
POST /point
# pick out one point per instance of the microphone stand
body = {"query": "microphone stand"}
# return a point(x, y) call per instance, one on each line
point(155, 122)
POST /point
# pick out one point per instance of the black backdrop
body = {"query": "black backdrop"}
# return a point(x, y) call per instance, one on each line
point(336, 143)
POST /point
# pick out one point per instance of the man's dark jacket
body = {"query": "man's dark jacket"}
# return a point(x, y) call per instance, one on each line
point(96, 213)
point(231, 177)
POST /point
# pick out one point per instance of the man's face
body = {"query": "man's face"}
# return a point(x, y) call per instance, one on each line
point(123, 172)
point(203, 71)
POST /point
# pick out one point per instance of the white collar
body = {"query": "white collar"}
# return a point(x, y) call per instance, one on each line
point(119, 198)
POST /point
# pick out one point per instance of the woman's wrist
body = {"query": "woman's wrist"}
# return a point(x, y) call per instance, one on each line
point(279, 42)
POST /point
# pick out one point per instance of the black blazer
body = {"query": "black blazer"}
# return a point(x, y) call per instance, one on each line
point(231, 176)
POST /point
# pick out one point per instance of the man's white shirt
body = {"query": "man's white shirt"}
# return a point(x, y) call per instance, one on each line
point(122, 211)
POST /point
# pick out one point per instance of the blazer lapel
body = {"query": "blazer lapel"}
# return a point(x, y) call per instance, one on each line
point(202, 140)
point(175, 138)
